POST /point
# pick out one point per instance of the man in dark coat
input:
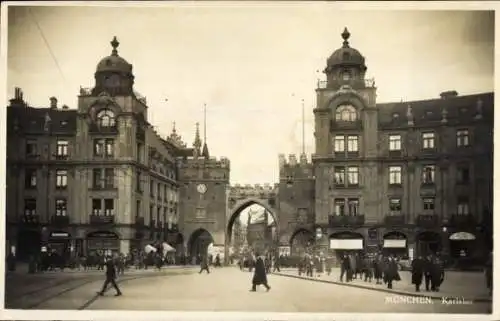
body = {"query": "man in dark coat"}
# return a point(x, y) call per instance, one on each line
point(391, 272)
point(259, 275)
point(417, 272)
point(428, 272)
point(110, 278)
point(377, 269)
point(437, 274)
point(345, 267)
point(217, 261)
point(204, 264)
point(368, 269)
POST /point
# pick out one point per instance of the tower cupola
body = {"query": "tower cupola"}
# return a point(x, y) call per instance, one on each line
point(114, 74)
point(345, 65)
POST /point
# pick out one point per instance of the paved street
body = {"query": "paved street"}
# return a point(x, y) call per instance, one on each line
point(226, 289)
point(457, 283)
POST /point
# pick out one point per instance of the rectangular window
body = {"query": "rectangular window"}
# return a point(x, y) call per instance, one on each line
point(97, 206)
point(99, 147)
point(158, 215)
point(428, 140)
point(109, 207)
point(353, 206)
point(61, 178)
point(97, 181)
point(339, 206)
point(463, 206)
point(31, 148)
point(428, 203)
point(152, 187)
point(110, 147)
point(395, 175)
point(151, 214)
point(139, 152)
point(352, 144)
point(138, 181)
point(394, 142)
point(159, 194)
point(462, 137)
point(353, 175)
point(62, 148)
point(339, 175)
point(200, 213)
point(339, 144)
point(30, 206)
point(61, 207)
point(428, 174)
point(30, 178)
point(109, 178)
point(463, 175)
point(138, 208)
point(395, 205)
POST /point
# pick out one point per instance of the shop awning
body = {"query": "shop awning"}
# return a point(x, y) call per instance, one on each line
point(462, 236)
point(394, 244)
point(346, 244)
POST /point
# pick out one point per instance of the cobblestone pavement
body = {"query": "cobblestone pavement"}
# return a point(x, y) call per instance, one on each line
point(227, 289)
point(470, 285)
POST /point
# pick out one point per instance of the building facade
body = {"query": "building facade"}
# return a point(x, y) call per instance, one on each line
point(408, 177)
point(98, 178)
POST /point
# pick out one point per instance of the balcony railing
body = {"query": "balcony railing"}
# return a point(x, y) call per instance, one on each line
point(60, 220)
point(463, 220)
point(346, 220)
point(30, 219)
point(393, 220)
point(101, 219)
point(369, 83)
point(427, 220)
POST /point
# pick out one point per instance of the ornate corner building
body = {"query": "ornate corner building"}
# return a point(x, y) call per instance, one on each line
point(406, 177)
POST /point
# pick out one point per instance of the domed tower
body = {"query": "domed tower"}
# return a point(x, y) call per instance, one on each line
point(114, 74)
point(346, 65)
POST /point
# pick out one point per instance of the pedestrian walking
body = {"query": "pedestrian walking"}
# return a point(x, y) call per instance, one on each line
point(345, 268)
point(368, 269)
point(328, 265)
point(259, 275)
point(110, 278)
point(217, 261)
point(428, 273)
point(417, 272)
point(204, 264)
point(377, 269)
point(437, 273)
point(391, 272)
point(276, 264)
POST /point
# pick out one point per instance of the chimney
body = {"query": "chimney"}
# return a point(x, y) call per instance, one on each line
point(65, 107)
point(18, 98)
point(53, 103)
point(448, 94)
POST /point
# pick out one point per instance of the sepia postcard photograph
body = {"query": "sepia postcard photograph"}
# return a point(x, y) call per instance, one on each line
point(247, 160)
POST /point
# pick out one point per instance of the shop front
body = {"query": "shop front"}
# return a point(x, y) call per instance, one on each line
point(346, 243)
point(103, 242)
point(428, 243)
point(462, 245)
point(59, 242)
point(395, 244)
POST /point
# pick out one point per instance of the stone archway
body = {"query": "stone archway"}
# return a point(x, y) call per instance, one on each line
point(29, 243)
point(301, 241)
point(198, 244)
point(428, 242)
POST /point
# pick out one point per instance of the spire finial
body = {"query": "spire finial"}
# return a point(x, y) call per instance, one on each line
point(345, 36)
point(197, 140)
point(114, 44)
point(173, 128)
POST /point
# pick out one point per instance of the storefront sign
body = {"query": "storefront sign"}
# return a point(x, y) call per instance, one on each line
point(462, 236)
point(59, 234)
point(103, 235)
point(394, 244)
point(343, 244)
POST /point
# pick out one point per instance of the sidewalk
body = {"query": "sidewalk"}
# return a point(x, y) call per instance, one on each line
point(22, 268)
point(467, 285)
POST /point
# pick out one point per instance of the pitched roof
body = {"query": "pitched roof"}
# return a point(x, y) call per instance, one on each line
point(33, 120)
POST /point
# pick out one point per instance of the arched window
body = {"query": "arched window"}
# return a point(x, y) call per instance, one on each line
point(106, 118)
point(346, 113)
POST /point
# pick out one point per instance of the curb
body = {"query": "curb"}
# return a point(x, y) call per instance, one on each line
point(400, 292)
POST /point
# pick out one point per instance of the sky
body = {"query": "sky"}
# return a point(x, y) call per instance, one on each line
point(250, 64)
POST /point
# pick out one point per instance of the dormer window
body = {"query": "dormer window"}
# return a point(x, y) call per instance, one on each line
point(106, 118)
point(346, 113)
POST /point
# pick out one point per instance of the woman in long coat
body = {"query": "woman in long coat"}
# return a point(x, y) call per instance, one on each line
point(259, 275)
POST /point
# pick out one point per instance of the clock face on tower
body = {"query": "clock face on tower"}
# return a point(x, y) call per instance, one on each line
point(202, 188)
